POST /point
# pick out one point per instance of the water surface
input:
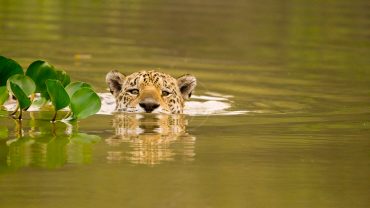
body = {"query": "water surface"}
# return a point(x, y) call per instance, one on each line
point(299, 69)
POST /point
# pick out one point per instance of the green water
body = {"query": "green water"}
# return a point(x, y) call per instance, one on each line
point(301, 68)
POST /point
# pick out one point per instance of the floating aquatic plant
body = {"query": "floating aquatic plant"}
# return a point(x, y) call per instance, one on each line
point(85, 102)
point(51, 84)
point(40, 71)
point(4, 94)
point(58, 95)
point(21, 87)
point(8, 67)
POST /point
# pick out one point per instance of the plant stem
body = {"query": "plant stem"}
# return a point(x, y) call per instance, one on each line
point(67, 115)
point(20, 115)
point(54, 117)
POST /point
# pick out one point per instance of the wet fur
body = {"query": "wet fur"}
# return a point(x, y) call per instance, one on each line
point(151, 85)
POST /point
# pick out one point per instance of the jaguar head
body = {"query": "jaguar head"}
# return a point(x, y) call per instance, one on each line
point(150, 91)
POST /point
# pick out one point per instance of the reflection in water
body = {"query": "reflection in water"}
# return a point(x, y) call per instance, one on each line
point(302, 65)
point(150, 139)
point(46, 145)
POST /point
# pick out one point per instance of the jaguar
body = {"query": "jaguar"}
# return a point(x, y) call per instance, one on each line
point(150, 91)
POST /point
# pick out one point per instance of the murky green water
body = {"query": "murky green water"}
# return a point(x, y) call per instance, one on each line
point(301, 68)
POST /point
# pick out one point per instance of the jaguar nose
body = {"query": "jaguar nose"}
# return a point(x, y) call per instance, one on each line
point(149, 105)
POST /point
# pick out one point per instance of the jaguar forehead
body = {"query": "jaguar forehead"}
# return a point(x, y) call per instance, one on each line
point(157, 79)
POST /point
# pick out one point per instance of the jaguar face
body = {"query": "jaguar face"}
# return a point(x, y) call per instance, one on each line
point(150, 91)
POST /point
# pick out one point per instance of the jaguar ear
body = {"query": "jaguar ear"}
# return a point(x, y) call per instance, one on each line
point(114, 79)
point(186, 85)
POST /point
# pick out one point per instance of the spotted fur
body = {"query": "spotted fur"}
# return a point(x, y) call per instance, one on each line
point(167, 93)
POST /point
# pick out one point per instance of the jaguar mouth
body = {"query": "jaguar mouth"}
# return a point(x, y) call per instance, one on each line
point(140, 110)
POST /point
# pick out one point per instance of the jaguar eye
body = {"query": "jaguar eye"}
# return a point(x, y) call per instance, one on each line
point(133, 91)
point(165, 93)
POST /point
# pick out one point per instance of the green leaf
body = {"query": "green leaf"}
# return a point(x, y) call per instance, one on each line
point(85, 102)
point(24, 82)
point(23, 100)
point(74, 86)
point(63, 77)
point(8, 67)
point(40, 71)
point(57, 93)
point(4, 94)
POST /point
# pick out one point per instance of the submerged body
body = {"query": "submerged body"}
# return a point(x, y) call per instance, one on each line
point(150, 91)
